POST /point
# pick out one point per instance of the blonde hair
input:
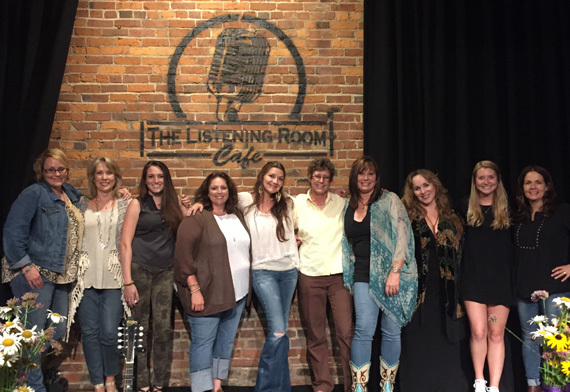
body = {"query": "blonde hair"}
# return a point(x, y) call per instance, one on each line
point(414, 207)
point(54, 153)
point(111, 165)
point(500, 204)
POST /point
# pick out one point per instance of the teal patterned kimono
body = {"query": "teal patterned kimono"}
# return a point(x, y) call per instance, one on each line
point(391, 239)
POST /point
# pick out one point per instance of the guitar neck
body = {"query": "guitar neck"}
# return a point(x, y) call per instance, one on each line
point(128, 377)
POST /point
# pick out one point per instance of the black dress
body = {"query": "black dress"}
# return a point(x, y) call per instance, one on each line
point(431, 360)
point(487, 263)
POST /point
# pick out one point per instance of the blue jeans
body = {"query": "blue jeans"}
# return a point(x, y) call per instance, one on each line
point(211, 348)
point(367, 312)
point(99, 315)
point(531, 348)
point(275, 291)
point(53, 297)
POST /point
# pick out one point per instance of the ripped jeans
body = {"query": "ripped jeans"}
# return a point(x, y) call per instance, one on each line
point(275, 290)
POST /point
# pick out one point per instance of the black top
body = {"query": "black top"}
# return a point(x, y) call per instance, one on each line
point(358, 234)
point(541, 245)
point(487, 262)
point(153, 244)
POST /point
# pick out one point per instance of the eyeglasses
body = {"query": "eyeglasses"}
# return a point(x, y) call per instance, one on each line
point(322, 178)
point(51, 171)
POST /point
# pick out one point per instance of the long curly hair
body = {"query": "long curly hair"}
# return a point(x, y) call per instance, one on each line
point(415, 209)
point(500, 201)
point(281, 206)
point(201, 195)
point(549, 200)
point(170, 207)
point(358, 166)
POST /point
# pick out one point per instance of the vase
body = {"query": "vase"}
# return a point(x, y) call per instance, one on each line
point(548, 388)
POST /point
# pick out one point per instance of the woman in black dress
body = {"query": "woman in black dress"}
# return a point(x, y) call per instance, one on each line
point(432, 344)
point(542, 241)
point(486, 287)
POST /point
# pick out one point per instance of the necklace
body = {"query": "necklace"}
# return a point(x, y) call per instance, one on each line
point(363, 208)
point(99, 225)
point(433, 226)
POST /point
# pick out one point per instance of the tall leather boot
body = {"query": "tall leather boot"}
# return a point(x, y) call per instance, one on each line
point(360, 377)
point(388, 375)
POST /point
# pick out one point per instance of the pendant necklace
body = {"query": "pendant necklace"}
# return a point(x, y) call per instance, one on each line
point(99, 225)
point(432, 225)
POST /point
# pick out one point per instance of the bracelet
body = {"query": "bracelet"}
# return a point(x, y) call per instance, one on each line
point(195, 290)
point(129, 284)
point(27, 269)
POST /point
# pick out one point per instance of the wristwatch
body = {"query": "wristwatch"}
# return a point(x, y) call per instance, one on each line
point(395, 269)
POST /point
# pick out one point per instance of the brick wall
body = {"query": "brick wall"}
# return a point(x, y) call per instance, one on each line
point(206, 85)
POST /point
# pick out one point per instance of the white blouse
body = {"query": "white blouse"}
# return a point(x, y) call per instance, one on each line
point(237, 242)
point(99, 274)
point(268, 252)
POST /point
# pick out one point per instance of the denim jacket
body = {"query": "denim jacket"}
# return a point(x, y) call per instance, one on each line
point(36, 228)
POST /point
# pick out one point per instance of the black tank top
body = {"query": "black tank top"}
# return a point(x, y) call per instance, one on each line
point(153, 244)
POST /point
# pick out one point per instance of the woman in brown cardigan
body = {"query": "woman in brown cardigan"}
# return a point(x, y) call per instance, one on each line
point(212, 269)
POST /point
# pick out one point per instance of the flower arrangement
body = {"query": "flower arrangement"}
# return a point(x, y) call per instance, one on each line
point(20, 346)
point(554, 336)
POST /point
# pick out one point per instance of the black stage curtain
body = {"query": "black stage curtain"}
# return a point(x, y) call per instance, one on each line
point(34, 41)
point(450, 83)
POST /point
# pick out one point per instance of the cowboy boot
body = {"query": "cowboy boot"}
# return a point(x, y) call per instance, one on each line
point(359, 377)
point(388, 375)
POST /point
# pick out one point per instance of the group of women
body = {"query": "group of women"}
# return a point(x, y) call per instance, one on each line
point(414, 262)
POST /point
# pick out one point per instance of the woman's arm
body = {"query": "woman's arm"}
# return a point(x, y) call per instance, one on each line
point(127, 236)
point(404, 251)
point(188, 239)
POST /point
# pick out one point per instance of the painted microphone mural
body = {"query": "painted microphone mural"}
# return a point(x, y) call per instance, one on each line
point(237, 70)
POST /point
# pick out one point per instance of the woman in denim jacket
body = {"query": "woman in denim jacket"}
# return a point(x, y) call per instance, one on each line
point(42, 242)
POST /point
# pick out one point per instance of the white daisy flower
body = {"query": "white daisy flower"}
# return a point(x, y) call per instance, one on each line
point(5, 312)
point(55, 318)
point(29, 335)
point(562, 301)
point(24, 389)
point(10, 343)
point(12, 326)
point(540, 320)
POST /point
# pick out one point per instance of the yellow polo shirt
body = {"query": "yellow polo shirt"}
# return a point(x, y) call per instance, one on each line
point(321, 233)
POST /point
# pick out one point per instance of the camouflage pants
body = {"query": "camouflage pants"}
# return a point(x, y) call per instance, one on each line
point(154, 310)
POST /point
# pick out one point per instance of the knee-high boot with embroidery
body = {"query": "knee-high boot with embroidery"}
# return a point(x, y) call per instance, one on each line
point(387, 375)
point(360, 377)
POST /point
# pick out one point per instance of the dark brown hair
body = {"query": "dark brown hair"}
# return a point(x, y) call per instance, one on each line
point(280, 207)
point(358, 166)
point(170, 207)
point(201, 195)
point(549, 200)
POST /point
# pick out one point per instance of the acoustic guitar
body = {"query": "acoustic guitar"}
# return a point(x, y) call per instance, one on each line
point(130, 342)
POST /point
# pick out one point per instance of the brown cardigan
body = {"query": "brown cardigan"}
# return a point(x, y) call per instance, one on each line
point(201, 250)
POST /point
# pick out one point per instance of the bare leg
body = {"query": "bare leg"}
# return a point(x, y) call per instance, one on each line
point(496, 342)
point(477, 314)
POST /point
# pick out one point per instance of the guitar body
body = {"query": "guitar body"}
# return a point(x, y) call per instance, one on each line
point(130, 344)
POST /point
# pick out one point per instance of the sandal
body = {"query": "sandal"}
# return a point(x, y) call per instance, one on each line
point(157, 389)
point(110, 387)
point(99, 387)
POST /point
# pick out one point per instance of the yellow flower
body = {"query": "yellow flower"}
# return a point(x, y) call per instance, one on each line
point(566, 368)
point(558, 342)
